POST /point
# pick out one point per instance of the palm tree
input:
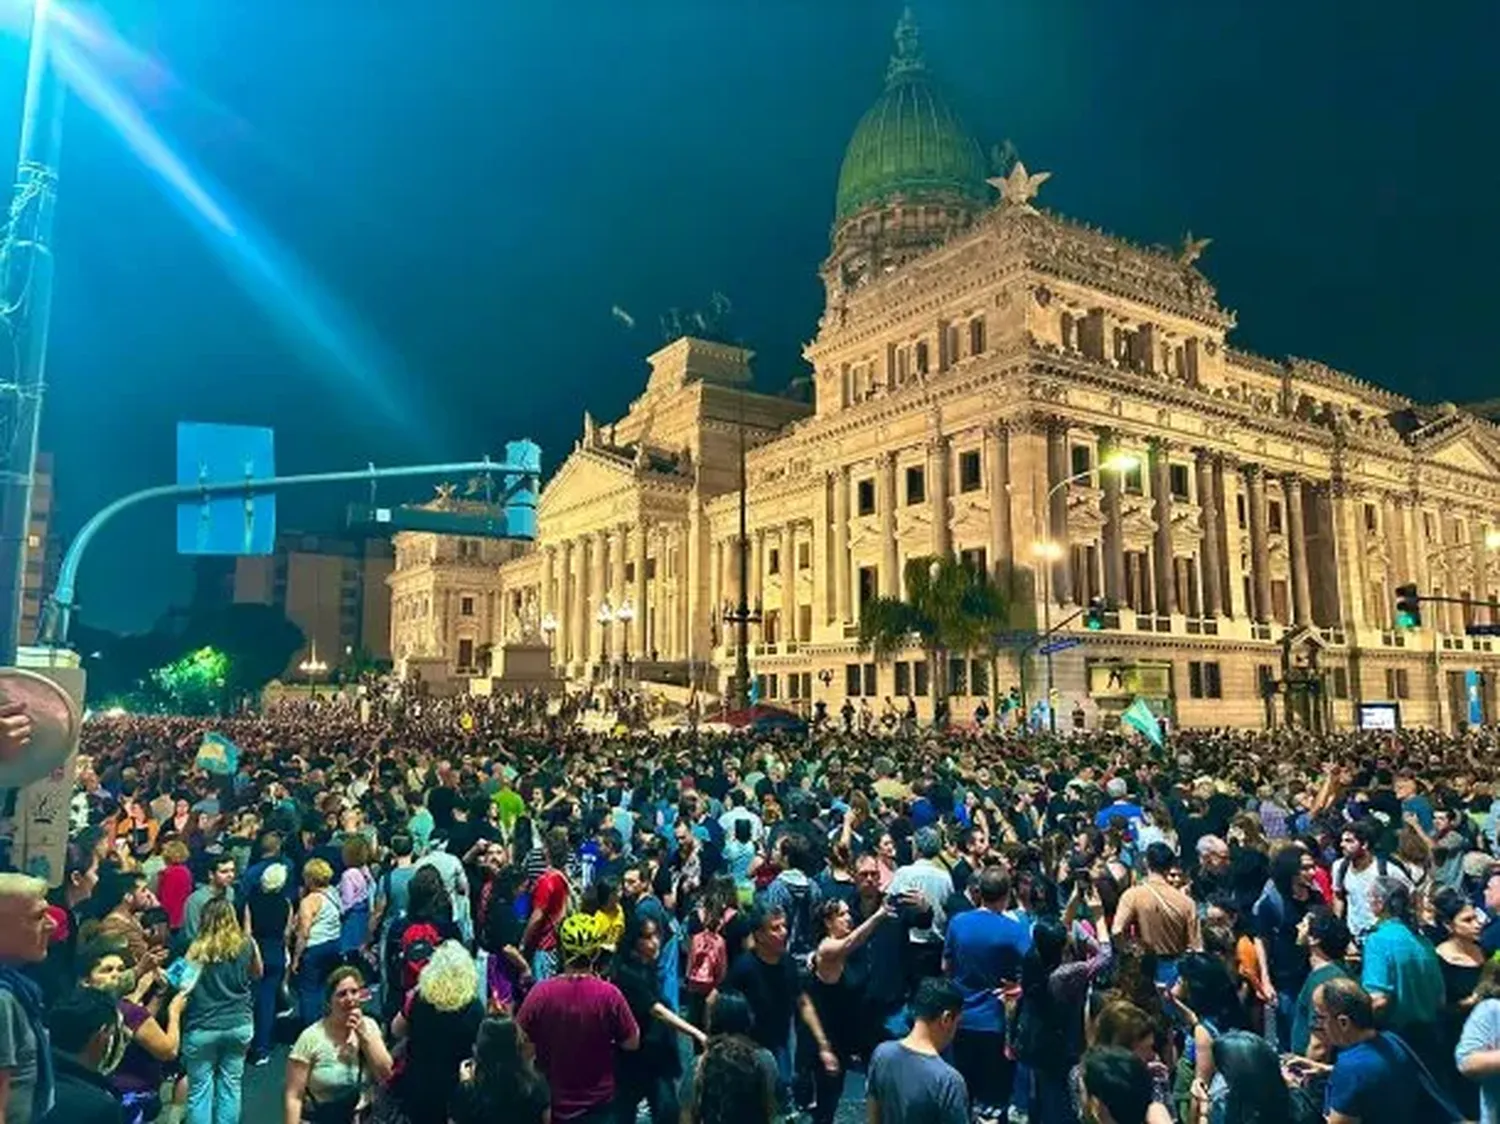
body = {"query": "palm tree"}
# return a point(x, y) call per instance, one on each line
point(949, 607)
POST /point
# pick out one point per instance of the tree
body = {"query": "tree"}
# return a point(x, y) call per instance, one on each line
point(258, 640)
point(194, 684)
point(949, 607)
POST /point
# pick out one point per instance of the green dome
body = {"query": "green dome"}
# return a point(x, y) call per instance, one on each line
point(910, 142)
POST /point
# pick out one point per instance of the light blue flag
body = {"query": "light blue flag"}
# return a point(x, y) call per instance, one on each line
point(217, 754)
point(754, 692)
point(1139, 717)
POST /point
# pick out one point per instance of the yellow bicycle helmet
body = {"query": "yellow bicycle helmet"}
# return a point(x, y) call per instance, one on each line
point(580, 937)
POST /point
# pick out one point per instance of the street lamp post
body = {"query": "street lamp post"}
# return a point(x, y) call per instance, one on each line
point(1050, 552)
point(625, 614)
point(741, 615)
point(605, 616)
point(312, 667)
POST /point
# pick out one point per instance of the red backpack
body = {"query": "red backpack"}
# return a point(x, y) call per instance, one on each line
point(417, 944)
point(708, 958)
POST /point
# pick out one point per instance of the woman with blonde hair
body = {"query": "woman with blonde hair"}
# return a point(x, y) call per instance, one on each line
point(218, 1023)
point(439, 1021)
point(175, 882)
point(315, 946)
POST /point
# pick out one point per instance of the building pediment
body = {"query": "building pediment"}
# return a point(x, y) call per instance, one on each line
point(587, 475)
point(1469, 451)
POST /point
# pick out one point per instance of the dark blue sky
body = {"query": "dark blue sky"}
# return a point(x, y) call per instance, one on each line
point(478, 182)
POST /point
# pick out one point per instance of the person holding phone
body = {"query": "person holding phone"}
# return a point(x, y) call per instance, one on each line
point(337, 1062)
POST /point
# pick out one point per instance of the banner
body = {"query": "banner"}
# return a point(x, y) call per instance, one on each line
point(1139, 717)
point(217, 754)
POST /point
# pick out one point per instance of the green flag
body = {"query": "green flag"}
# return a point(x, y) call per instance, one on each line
point(1138, 717)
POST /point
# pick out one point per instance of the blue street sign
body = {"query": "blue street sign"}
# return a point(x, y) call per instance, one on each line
point(1060, 645)
point(225, 524)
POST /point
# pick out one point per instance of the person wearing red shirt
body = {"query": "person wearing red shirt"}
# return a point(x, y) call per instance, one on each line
point(549, 901)
point(577, 1021)
point(175, 883)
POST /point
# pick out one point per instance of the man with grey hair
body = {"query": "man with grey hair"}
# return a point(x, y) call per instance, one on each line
point(928, 923)
point(1401, 972)
point(26, 926)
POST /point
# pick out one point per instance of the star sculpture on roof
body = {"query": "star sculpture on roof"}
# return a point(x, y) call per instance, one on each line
point(1192, 248)
point(1020, 187)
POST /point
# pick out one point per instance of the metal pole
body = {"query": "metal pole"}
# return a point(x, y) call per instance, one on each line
point(60, 607)
point(1047, 627)
point(742, 610)
point(26, 282)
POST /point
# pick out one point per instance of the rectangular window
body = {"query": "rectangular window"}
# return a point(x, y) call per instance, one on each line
point(952, 337)
point(869, 670)
point(1341, 683)
point(916, 485)
point(774, 684)
point(958, 678)
point(851, 680)
point(1273, 517)
point(792, 683)
point(1280, 602)
point(969, 479)
point(1372, 520)
point(466, 606)
point(1083, 460)
point(1240, 511)
point(1204, 680)
point(804, 556)
point(973, 559)
point(1135, 481)
point(1265, 678)
point(1177, 475)
point(922, 357)
point(465, 655)
point(976, 336)
point(1429, 526)
point(864, 497)
point(869, 587)
point(918, 678)
point(629, 572)
point(773, 561)
point(979, 679)
point(903, 678)
point(651, 569)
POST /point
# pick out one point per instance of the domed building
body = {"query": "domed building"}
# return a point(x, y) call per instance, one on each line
point(1172, 519)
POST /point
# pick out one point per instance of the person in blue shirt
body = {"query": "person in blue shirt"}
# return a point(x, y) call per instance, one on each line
point(1375, 1079)
point(1401, 972)
point(982, 954)
point(1120, 805)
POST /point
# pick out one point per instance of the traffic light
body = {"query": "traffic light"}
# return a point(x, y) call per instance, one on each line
point(1408, 606)
point(1093, 617)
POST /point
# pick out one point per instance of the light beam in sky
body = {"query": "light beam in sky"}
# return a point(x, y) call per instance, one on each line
point(269, 273)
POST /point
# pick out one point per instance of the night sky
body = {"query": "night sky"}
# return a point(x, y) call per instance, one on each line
point(473, 185)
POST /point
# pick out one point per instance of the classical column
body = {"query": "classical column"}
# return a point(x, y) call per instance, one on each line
point(821, 563)
point(757, 566)
point(885, 478)
point(1113, 535)
point(1297, 534)
point(937, 471)
point(599, 587)
point(997, 453)
point(1057, 512)
point(1348, 539)
point(638, 626)
point(716, 590)
point(566, 608)
point(549, 564)
point(1161, 496)
point(788, 581)
point(841, 546)
point(1260, 546)
point(583, 619)
point(617, 539)
point(693, 637)
point(1213, 567)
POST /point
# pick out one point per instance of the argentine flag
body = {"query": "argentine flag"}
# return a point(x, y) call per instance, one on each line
point(217, 754)
point(1139, 717)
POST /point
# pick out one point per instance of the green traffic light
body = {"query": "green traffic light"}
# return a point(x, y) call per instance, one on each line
point(1406, 620)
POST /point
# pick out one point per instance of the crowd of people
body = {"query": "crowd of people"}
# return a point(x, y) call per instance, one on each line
point(469, 910)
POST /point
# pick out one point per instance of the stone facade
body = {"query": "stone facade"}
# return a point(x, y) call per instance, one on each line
point(975, 367)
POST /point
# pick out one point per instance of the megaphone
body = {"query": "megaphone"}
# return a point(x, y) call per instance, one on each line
point(55, 725)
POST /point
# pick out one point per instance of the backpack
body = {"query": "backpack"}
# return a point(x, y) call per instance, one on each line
point(708, 958)
point(799, 920)
point(418, 941)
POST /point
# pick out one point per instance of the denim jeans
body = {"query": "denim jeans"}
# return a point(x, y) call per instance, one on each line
point(215, 1064)
point(268, 993)
point(312, 978)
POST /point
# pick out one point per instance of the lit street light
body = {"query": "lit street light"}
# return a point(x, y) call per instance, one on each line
point(1051, 553)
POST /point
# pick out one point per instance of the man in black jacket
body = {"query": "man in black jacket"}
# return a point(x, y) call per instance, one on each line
point(86, 1039)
